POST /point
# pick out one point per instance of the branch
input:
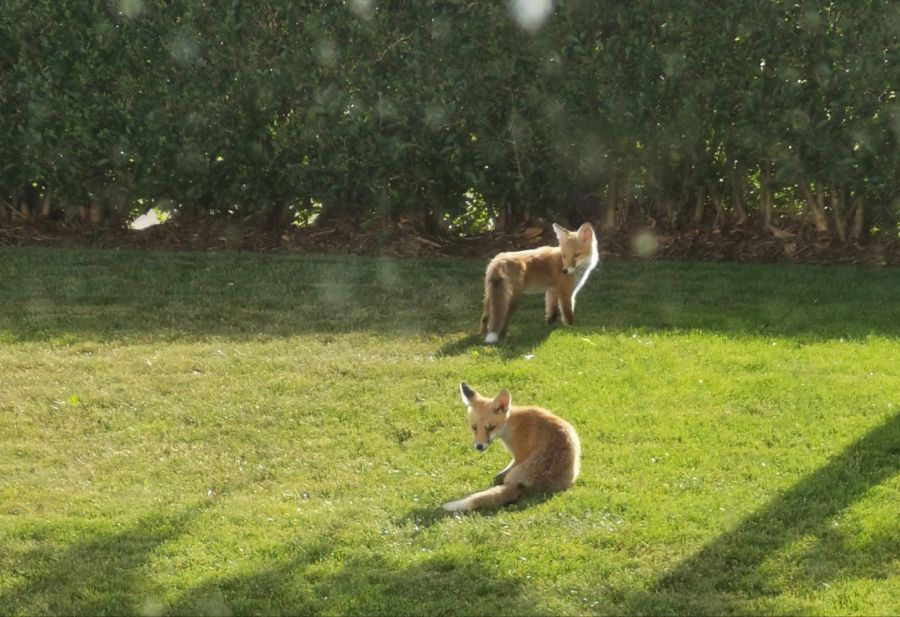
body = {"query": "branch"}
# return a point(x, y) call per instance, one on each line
point(391, 46)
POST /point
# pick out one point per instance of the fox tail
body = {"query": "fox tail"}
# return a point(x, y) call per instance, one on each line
point(492, 497)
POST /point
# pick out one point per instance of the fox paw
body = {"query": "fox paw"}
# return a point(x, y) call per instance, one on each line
point(491, 338)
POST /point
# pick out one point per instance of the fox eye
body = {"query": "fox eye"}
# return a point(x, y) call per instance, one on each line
point(474, 428)
point(577, 255)
point(490, 428)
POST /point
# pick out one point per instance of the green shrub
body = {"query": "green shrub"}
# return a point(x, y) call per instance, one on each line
point(685, 113)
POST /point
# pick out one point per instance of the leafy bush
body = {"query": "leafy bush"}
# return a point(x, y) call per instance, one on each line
point(683, 113)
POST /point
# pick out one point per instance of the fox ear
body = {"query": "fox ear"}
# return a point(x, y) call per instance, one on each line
point(502, 402)
point(560, 231)
point(466, 393)
point(585, 232)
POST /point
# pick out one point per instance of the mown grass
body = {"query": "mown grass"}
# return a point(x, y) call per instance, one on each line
point(250, 434)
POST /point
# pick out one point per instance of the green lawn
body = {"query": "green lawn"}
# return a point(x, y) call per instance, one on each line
point(252, 434)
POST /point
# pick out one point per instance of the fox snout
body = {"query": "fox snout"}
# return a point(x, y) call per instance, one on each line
point(482, 446)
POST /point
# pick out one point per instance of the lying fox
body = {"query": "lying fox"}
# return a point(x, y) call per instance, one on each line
point(545, 449)
point(557, 271)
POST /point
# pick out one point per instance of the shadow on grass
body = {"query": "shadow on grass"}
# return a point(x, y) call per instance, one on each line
point(461, 345)
point(516, 344)
point(367, 585)
point(426, 517)
point(740, 566)
point(97, 575)
point(45, 294)
point(49, 293)
point(803, 302)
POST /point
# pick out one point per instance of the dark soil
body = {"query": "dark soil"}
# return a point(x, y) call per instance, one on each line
point(403, 239)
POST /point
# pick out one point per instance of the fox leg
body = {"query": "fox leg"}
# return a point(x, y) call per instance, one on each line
point(485, 314)
point(500, 477)
point(510, 310)
point(551, 305)
point(568, 312)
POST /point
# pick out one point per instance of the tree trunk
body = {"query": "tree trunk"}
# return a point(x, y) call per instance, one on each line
point(670, 213)
point(46, 205)
point(838, 208)
point(737, 201)
point(278, 215)
point(431, 219)
point(508, 217)
point(343, 209)
point(815, 205)
point(92, 212)
point(859, 218)
point(699, 205)
point(716, 196)
point(765, 189)
point(20, 203)
point(612, 199)
point(624, 206)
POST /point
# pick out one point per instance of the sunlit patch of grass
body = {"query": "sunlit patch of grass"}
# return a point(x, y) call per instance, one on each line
point(195, 433)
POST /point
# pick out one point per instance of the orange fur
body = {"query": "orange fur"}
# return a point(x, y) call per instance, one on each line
point(545, 449)
point(558, 272)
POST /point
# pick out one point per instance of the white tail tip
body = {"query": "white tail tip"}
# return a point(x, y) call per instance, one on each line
point(491, 338)
point(456, 506)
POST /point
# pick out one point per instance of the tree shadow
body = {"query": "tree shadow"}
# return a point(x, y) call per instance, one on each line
point(112, 294)
point(103, 295)
point(460, 584)
point(803, 302)
point(740, 566)
point(97, 575)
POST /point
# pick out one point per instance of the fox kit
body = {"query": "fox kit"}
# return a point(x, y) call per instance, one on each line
point(545, 449)
point(558, 272)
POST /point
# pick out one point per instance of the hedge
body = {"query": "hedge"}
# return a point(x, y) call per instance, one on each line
point(456, 112)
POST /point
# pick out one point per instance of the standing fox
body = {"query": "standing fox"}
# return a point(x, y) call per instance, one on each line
point(545, 449)
point(557, 271)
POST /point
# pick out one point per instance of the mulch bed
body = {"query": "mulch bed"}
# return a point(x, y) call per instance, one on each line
point(403, 239)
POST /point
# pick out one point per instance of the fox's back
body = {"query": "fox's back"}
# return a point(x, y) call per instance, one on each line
point(550, 444)
point(532, 269)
